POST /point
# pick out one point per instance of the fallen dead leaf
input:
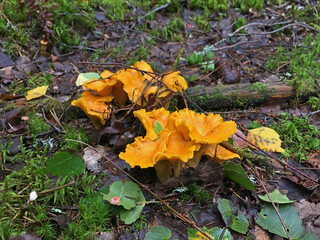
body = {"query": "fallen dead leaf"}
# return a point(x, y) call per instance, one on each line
point(36, 92)
point(238, 142)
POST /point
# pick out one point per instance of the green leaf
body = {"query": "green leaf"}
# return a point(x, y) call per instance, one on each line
point(158, 233)
point(309, 236)
point(128, 192)
point(238, 223)
point(269, 220)
point(236, 173)
point(277, 197)
point(65, 163)
point(215, 233)
point(157, 127)
point(130, 216)
point(83, 77)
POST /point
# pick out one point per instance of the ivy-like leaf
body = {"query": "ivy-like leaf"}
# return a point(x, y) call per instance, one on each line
point(265, 138)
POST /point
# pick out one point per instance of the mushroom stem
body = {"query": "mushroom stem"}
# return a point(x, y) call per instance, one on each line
point(163, 170)
point(193, 162)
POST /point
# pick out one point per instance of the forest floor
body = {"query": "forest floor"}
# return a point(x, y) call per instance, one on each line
point(256, 63)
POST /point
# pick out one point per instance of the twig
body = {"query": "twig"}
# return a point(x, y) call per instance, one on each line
point(278, 160)
point(274, 206)
point(176, 213)
point(314, 78)
point(155, 10)
point(315, 112)
point(274, 31)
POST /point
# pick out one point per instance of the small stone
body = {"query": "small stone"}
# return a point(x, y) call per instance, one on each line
point(228, 71)
point(5, 61)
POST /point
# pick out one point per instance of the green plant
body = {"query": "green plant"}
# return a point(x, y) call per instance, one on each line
point(197, 193)
point(202, 21)
point(315, 102)
point(214, 5)
point(303, 66)
point(64, 191)
point(76, 134)
point(37, 124)
point(174, 30)
point(205, 59)
point(244, 5)
point(274, 63)
point(194, 59)
point(4, 150)
point(94, 216)
point(298, 135)
point(116, 9)
point(140, 54)
point(254, 124)
point(240, 23)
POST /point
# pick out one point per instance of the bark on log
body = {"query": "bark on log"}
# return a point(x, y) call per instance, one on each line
point(239, 95)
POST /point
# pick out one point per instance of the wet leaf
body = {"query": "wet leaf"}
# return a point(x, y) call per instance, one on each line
point(238, 223)
point(157, 127)
point(269, 220)
point(158, 233)
point(215, 233)
point(131, 215)
point(128, 193)
point(36, 92)
point(83, 77)
point(236, 173)
point(277, 197)
point(265, 138)
point(65, 163)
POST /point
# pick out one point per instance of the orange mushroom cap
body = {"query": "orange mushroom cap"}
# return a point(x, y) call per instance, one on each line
point(144, 152)
point(94, 106)
point(174, 82)
point(149, 119)
point(219, 153)
point(205, 129)
point(101, 86)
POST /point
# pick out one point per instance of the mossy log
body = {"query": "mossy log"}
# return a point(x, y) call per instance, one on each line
point(238, 95)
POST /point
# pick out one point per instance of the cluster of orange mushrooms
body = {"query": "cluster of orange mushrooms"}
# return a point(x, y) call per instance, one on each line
point(184, 136)
point(139, 84)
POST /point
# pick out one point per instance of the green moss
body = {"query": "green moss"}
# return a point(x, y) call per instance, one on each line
point(303, 67)
point(261, 88)
point(240, 23)
point(6, 106)
point(76, 134)
point(37, 124)
point(244, 5)
point(213, 5)
point(197, 193)
point(298, 135)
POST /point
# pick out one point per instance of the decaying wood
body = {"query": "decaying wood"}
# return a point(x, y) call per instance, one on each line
point(239, 95)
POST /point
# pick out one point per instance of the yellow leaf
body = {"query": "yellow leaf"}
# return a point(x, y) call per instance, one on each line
point(36, 92)
point(265, 138)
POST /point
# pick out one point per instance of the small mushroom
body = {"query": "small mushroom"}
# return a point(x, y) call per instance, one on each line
point(95, 106)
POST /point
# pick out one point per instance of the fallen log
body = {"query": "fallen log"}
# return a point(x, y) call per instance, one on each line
point(239, 95)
